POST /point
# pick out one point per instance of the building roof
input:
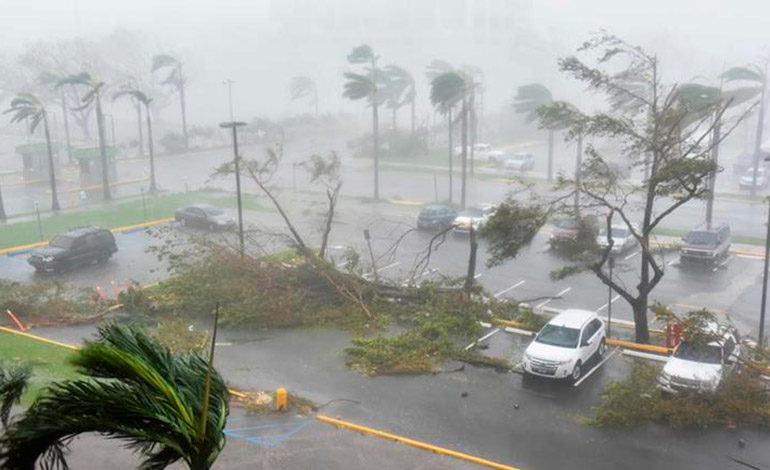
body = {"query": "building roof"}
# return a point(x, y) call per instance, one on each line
point(37, 148)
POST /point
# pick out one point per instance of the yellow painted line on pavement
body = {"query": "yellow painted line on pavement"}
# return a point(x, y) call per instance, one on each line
point(414, 443)
point(42, 339)
point(643, 347)
point(405, 202)
point(22, 247)
point(38, 338)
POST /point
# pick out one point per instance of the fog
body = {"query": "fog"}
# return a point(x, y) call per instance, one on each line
point(261, 44)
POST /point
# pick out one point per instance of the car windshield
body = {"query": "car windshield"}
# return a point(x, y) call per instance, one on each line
point(616, 232)
point(558, 336)
point(212, 211)
point(433, 211)
point(566, 223)
point(519, 157)
point(62, 242)
point(701, 237)
point(709, 354)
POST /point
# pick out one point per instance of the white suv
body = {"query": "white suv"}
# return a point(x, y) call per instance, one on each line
point(701, 367)
point(565, 344)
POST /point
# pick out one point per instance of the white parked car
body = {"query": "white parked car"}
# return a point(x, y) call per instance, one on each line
point(565, 344)
point(622, 238)
point(518, 162)
point(701, 367)
point(475, 216)
point(480, 151)
point(747, 180)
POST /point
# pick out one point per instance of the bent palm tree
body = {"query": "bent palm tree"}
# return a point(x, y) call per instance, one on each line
point(301, 87)
point(13, 382)
point(144, 100)
point(136, 390)
point(433, 70)
point(400, 90)
point(51, 79)
point(758, 78)
point(176, 79)
point(527, 100)
point(93, 97)
point(361, 86)
point(26, 107)
point(446, 90)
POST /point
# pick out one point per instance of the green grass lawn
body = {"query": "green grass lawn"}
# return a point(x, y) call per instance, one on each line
point(48, 362)
point(117, 213)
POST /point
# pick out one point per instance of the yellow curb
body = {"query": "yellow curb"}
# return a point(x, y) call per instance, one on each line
point(116, 229)
point(39, 338)
point(22, 247)
point(403, 202)
point(76, 348)
point(643, 347)
point(514, 324)
point(414, 443)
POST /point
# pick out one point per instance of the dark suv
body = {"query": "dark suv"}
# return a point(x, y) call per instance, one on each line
point(707, 245)
point(79, 246)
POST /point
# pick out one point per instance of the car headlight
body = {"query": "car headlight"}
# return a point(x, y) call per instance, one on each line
point(48, 259)
point(665, 377)
point(563, 363)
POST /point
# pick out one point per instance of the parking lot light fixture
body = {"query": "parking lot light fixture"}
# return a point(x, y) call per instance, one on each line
point(234, 125)
point(763, 304)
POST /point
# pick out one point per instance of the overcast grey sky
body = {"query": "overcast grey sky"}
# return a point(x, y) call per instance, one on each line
point(260, 45)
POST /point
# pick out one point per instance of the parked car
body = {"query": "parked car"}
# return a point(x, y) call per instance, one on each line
point(475, 216)
point(79, 246)
point(701, 367)
point(565, 344)
point(203, 216)
point(622, 239)
point(436, 216)
point(706, 244)
point(747, 180)
point(480, 151)
point(517, 162)
point(743, 163)
point(567, 227)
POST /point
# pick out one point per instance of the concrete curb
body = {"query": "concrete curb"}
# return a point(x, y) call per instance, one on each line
point(414, 443)
point(404, 202)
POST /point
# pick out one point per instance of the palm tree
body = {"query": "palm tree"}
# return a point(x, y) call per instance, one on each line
point(176, 79)
point(93, 97)
point(13, 382)
point(433, 70)
point(301, 87)
point(757, 76)
point(166, 406)
point(361, 86)
point(27, 107)
point(400, 91)
point(140, 97)
point(477, 90)
point(448, 89)
point(3, 216)
point(527, 100)
point(51, 79)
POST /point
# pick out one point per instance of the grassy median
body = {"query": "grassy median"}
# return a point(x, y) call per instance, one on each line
point(117, 213)
point(48, 362)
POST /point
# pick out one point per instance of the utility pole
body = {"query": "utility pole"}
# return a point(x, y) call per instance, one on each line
point(234, 125)
point(229, 84)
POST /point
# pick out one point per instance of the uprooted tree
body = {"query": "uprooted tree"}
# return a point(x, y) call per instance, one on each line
point(659, 128)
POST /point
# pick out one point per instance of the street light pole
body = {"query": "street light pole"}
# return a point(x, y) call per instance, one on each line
point(764, 280)
point(234, 125)
point(229, 84)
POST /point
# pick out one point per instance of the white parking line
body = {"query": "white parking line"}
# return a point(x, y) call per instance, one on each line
point(544, 303)
point(671, 263)
point(496, 330)
point(749, 257)
point(617, 296)
point(478, 275)
point(426, 273)
point(606, 358)
point(497, 296)
point(633, 254)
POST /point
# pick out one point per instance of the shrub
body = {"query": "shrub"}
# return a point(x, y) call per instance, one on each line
point(42, 301)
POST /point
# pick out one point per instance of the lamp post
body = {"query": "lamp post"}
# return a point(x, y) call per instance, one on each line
point(764, 277)
point(229, 84)
point(234, 125)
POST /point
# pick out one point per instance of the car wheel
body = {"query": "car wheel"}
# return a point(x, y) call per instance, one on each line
point(576, 372)
point(602, 349)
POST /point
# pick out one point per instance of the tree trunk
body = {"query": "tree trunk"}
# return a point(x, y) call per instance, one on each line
point(51, 171)
point(395, 127)
point(640, 306)
point(713, 176)
point(184, 109)
point(550, 155)
point(153, 182)
point(464, 153)
point(139, 127)
point(376, 142)
point(64, 112)
point(451, 154)
point(102, 148)
point(3, 216)
point(578, 165)
point(412, 106)
point(474, 246)
point(473, 128)
point(758, 141)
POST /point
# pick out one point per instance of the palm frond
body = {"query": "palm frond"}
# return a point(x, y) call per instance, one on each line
point(436, 68)
point(358, 86)
point(747, 73)
point(530, 97)
point(448, 89)
point(13, 383)
point(83, 78)
point(163, 60)
point(361, 54)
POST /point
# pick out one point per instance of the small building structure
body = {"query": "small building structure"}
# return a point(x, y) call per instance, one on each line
point(35, 160)
point(90, 165)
